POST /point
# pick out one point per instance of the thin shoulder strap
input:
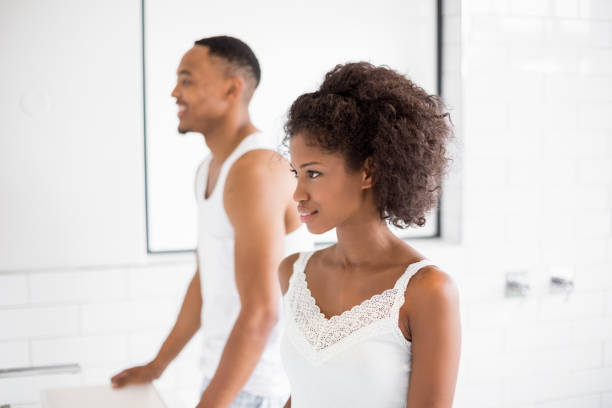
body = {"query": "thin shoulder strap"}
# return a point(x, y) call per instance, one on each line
point(201, 178)
point(412, 269)
point(403, 280)
point(298, 268)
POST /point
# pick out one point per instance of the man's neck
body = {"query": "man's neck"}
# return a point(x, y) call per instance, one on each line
point(224, 139)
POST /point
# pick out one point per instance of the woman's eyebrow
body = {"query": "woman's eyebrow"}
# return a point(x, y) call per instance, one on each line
point(310, 164)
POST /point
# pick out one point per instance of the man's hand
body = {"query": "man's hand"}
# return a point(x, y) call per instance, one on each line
point(137, 375)
point(187, 324)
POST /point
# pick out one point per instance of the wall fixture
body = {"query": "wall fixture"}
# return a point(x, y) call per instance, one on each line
point(517, 284)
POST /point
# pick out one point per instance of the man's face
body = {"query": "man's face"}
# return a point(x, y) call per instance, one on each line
point(201, 91)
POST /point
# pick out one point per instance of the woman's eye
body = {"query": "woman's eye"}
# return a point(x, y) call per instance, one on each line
point(294, 172)
point(313, 174)
point(185, 82)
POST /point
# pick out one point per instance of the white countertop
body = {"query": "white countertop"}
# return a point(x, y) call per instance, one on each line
point(102, 396)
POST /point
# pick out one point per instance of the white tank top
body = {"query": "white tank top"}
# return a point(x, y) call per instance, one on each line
point(359, 358)
point(220, 300)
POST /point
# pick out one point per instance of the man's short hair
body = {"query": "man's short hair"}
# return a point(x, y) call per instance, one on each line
point(236, 52)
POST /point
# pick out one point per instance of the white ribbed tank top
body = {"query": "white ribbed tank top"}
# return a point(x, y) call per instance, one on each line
point(359, 358)
point(221, 303)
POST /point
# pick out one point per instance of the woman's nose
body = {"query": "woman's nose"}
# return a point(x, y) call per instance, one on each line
point(300, 193)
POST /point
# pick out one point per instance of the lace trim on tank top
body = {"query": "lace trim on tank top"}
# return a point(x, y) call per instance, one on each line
point(359, 321)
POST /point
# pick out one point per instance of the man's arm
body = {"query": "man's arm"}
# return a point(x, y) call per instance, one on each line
point(187, 324)
point(433, 309)
point(257, 192)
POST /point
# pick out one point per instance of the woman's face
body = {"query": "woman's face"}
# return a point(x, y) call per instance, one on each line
point(327, 193)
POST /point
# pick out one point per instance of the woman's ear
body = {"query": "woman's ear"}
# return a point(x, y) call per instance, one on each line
point(367, 174)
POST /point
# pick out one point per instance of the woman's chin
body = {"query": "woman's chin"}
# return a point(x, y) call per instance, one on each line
point(318, 230)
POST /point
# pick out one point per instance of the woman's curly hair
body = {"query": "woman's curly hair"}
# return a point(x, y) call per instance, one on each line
point(374, 114)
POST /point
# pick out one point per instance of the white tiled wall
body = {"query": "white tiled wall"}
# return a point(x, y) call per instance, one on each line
point(536, 138)
point(104, 319)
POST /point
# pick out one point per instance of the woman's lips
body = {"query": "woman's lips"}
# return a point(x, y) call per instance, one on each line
point(306, 216)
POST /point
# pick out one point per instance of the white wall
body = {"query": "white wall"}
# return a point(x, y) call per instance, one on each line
point(528, 81)
point(534, 84)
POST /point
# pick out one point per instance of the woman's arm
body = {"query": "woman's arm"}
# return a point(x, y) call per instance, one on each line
point(432, 304)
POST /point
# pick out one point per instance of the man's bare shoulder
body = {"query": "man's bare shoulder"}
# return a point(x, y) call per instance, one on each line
point(285, 270)
point(260, 161)
point(259, 182)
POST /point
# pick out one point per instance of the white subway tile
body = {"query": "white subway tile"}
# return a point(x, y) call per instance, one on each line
point(483, 29)
point(82, 350)
point(127, 316)
point(586, 331)
point(103, 284)
point(480, 116)
point(593, 276)
point(78, 286)
point(530, 7)
point(559, 116)
point(538, 388)
point(169, 280)
point(593, 250)
point(594, 144)
point(578, 198)
point(594, 172)
point(606, 400)
point(565, 8)
point(484, 229)
point(522, 172)
point(555, 225)
point(144, 345)
point(595, 88)
point(594, 224)
point(522, 29)
point(608, 353)
point(589, 401)
point(51, 286)
point(595, 61)
point(505, 313)
point(561, 87)
point(13, 289)
point(485, 57)
point(538, 336)
point(592, 115)
point(481, 173)
point(485, 7)
point(596, 9)
point(575, 306)
point(14, 354)
point(487, 395)
point(578, 33)
point(38, 322)
point(514, 365)
point(485, 341)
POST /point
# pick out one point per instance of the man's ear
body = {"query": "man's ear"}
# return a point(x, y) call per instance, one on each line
point(367, 174)
point(236, 87)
